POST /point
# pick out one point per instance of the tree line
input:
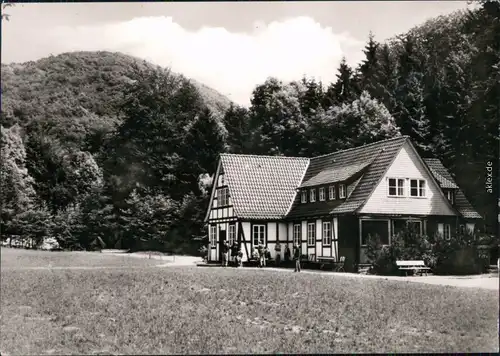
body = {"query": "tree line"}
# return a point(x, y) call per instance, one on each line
point(137, 173)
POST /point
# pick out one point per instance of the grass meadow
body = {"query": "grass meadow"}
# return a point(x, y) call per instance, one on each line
point(106, 304)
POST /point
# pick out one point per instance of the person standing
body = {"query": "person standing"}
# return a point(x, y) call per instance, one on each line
point(239, 257)
point(234, 253)
point(277, 249)
point(225, 253)
point(296, 256)
point(288, 255)
point(262, 256)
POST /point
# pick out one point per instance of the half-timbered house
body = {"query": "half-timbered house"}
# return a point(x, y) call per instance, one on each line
point(331, 203)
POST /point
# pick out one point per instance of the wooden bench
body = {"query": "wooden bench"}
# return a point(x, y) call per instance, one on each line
point(326, 260)
point(337, 266)
point(417, 266)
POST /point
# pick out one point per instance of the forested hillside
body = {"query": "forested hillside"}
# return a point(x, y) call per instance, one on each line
point(101, 144)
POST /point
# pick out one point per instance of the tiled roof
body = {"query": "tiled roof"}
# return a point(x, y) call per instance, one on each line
point(446, 181)
point(265, 187)
point(379, 154)
point(337, 173)
point(262, 187)
point(440, 173)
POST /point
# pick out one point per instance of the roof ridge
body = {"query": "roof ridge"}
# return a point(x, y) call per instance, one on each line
point(364, 146)
point(263, 156)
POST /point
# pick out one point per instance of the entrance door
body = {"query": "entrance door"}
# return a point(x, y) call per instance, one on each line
point(222, 239)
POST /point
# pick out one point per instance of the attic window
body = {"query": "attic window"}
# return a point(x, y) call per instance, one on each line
point(321, 194)
point(223, 197)
point(342, 191)
point(450, 196)
point(312, 195)
point(331, 192)
point(396, 187)
point(303, 196)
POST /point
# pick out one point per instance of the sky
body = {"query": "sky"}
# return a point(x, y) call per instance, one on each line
point(229, 46)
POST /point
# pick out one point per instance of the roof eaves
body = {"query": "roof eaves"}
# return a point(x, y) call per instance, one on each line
point(209, 209)
point(434, 179)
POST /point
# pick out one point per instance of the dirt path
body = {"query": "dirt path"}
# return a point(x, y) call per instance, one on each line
point(169, 260)
point(484, 281)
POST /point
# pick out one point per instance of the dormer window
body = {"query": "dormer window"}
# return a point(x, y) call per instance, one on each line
point(321, 194)
point(450, 196)
point(312, 195)
point(342, 191)
point(303, 196)
point(331, 192)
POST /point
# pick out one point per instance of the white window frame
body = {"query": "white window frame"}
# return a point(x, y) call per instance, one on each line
point(297, 232)
point(312, 195)
point(331, 192)
point(311, 234)
point(321, 194)
point(327, 233)
point(342, 191)
point(303, 196)
point(258, 234)
point(447, 231)
point(232, 233)
point(399, 186)
point(222, 197)
point(213, 235)
point(450, 196)
point(421, 188)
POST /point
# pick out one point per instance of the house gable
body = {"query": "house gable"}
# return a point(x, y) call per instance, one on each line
point(220, 210)
point(407, 165)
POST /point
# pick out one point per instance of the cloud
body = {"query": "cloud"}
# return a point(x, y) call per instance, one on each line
point(230, 62)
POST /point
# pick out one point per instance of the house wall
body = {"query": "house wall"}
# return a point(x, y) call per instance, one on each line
point(317, 249)
point(220, 217)
point(407, 165)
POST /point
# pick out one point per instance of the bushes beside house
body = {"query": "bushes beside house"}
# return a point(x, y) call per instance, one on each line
point(464, 253)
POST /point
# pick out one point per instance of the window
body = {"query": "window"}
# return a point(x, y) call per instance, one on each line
point(259, 235)
point(375, 227)
point(296, 234)
point(311, 234)
point(222, 197)
point(303, 197)
point(327, 233)
point(213, 235)
point(415, 226)
point(462, 229)
point(342, 191)
point(398, 225)
point(222, 180)
point(312, 195)
point(447, 231)
point(331, 192)
point(449, 196)
point(417, 188)
point(396, 187)
point(322, 194)
point(232, 233)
